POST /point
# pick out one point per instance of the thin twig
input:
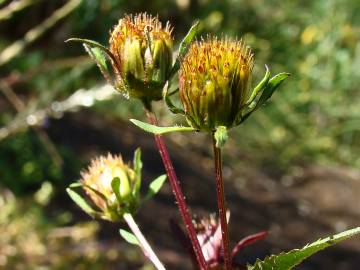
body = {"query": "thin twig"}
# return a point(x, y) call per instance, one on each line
point(221, 204)
point(179, 196)
point(8, 11)
point(18, 46)
point(146, 248)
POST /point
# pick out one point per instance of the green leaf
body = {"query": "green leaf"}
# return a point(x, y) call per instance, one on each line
point(91, 43)
point(129, 237)
point(80, 201)
point(155, 186)
point(221, 136)
point(98, 56)
point(159, 130)
point(270, 88)
point(115, 186)
point(287, 261)
point(184, 44)
point(76, 185)
point(137, 167)
point(169, 103)
point(262, 84)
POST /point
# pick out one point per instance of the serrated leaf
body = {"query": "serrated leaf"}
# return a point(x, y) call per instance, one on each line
point(287, 261)
point(221, 136)
point(184, 44)
point(270, 88)
point(159, 130)
point(137, 167)
point(155, 186)
point(129, 237)
point(80, 201)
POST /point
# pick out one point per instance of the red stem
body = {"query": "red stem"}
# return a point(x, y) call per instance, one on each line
point(180, 198)
point(221, 204)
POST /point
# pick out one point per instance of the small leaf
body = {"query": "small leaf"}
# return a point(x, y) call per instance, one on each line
point(262, 84)
point(287, 261)
point(270, 88)
point(155, 186)
point(80, 201)
point(159, 130)
point(115, 185)
point(91, 43)
point(98, 56)
point(129, 237)
point(166, 96)
point(137, 167)
point(221, 136)
point(184, 44)
point(75, 185)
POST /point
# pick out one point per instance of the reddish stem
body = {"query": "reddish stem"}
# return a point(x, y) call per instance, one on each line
point(221, 204)
point(180, 198)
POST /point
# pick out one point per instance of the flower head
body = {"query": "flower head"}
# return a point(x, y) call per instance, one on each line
point(215, 79)
point(99, 181)
point(142, 55)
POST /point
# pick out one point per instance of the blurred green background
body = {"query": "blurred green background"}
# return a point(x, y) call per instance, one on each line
point(56, 114)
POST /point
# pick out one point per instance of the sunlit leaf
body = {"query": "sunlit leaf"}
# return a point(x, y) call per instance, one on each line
point(137, 167)
point(287, 261)
point(80, 201)
point(155, 186)
point(159, 130)
point(270, 88)
point(184, 44)
point(129, 237)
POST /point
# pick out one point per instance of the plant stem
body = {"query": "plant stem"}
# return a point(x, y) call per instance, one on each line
point(221, 203)
point(179, 196)
point(146, 248)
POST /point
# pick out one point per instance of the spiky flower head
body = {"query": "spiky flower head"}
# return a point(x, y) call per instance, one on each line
point(112, 185)
point(215, 79)
point(142, 55)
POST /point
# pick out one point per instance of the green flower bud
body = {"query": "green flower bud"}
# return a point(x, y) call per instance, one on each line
point(142, 56)
point(98, 183)
point(215, 79)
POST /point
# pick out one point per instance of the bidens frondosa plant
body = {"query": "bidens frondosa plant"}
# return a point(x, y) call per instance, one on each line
point(113, 187)
point(216, 92)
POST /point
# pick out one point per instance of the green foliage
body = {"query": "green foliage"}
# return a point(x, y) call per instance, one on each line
point(287, 261)
point(129, 237)
point(159, 130)
point(155, 186)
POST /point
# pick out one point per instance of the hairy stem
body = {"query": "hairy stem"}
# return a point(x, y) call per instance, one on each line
point(221, 203)
point(180, 198)
point(146, 248)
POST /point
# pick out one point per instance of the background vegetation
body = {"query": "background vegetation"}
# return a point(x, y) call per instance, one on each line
point(56, 114)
